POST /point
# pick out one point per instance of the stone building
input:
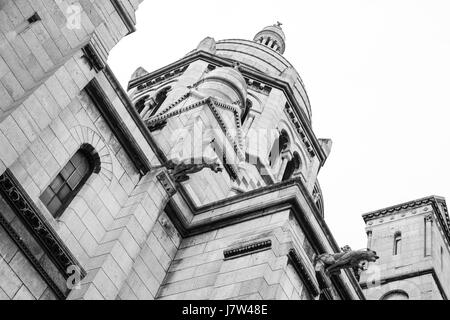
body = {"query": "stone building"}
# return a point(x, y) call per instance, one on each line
point(412, 240)
point(87, 190)
point(198, 182)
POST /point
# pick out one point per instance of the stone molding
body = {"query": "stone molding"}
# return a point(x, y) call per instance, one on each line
point(124, 15)
point(302, 270)
point(436, 203)
point(36, 224)
point(247, 249)
point(248, 73)
point(31, 258)
point(167, 183)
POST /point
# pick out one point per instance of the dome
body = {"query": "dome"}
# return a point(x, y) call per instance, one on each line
point(272, 37)
point(234, 87)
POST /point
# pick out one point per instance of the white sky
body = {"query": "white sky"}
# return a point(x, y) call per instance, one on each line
point(377, 74)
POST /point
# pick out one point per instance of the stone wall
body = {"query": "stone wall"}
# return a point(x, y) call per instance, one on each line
point(419, 256)
point(31, 52)
point(202, 270)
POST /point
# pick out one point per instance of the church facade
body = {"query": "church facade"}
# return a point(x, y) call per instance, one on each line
point(199, 181)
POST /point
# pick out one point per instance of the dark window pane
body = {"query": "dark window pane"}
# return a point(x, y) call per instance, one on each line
point(57, 183)
point(64, 193)
point(83, 167)
point(47, 195)
point(74, 180)
point(54, 205)
point(63, 189)
point(78, 158)
point(67, 171)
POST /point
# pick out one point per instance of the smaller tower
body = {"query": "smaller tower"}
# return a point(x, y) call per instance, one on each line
point(412, 241)
point(272, 37)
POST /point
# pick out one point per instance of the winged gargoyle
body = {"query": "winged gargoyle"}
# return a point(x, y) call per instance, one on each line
point(333, 263)
point(180, 170)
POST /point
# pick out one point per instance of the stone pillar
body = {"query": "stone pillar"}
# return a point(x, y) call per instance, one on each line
point(428, 235)
point(285, 158)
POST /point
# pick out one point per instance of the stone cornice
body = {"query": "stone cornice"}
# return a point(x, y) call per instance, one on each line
point(399, 207)
point(124, 16)
point(36, 224)
point(247, 73)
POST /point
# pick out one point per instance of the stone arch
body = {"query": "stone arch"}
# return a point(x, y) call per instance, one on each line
point(395, 295)
point(407, 286)
point(158, 98)
point(303, 158)
point(90, 141)
point(281, 143)
point(256, 102)
point(294, 165)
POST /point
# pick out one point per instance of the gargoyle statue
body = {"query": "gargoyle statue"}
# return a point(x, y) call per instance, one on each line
point(180, 171)
point(332, 263)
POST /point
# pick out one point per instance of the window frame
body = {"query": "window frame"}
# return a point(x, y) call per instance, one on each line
point(397, 243)
point(93, 162)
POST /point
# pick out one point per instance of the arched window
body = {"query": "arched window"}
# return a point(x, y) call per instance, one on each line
point(395, 295)
point(248, 106)
point(140, 104)
point(292, 166)
point(161, 96)
point(69, 181)
point(397, 243)
point(280, 144)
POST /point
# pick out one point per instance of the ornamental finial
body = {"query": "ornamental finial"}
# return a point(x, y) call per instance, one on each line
point(279, 24)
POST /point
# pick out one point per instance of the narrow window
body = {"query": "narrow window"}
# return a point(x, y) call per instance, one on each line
point(397, 243)
point(442, 259)
point(292, 166)
point(248, 106)
point(67, 183)
point(140, 105)
point(280, 145)
point(159, 100)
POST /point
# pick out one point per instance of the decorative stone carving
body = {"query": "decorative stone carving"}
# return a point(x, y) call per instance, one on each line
point(346, 259)
point(208, 44)
point(302, 271)
point(247, 249)
point(166, 183)
point(31, 258)
point(23, 206)
point(180, 171)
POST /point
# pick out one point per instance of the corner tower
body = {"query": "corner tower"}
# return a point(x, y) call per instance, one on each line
point(412, 240)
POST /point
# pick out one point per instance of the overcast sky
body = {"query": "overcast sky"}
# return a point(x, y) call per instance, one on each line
point(377, 74)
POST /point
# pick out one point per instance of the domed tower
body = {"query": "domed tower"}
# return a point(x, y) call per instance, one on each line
point(243, 104)
point(272, 37)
